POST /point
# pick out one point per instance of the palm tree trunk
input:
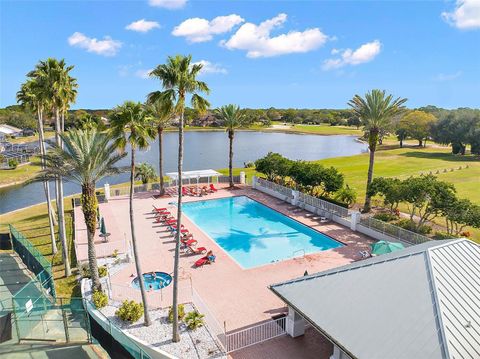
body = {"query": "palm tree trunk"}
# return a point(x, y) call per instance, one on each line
point(160, 160)
point(372, 141)
point(176, 335)
point(46, 187)
point(146, 314)
point(89, 208)
point(230, 158)
point(60, 204)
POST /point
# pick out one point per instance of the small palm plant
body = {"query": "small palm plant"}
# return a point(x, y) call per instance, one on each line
point(376, 111)
point(232, 118)
point(87, 157)
point(145, 172)
point(194, 320)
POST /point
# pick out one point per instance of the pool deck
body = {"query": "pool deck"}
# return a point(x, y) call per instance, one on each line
point(236, 297)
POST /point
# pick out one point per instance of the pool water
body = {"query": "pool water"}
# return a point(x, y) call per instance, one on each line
point(159, 281)
point(254, 234)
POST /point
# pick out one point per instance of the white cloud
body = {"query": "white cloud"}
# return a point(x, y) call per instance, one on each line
point(168, 4)
point(143, 73)
point(209, 68)
point(365, 53)
point(256, 39)
point(142, 25)
point(105, 47)
point(465, 16)
point(447, 77)
point(200, 30)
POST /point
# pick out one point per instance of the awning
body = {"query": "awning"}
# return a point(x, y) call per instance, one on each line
point(194, 174)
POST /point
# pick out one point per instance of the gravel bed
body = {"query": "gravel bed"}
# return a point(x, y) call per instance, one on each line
point(193, 344)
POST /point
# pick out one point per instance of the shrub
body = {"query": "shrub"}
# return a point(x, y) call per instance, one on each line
point(346, 195)
point(100, 299)
point(443, 235)
point(194, 320)
point(412, 226)
point(385, 217)
point(334, 201)
point(102, 272)
point(12, 163)
point(249, 164)
point(115, 253)
point(130, 311)
point(181, 313)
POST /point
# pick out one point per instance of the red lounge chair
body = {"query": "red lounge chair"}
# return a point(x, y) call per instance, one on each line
point(200, 262)
point(192, 250)
point(185, 191)
point(212, 188)
point(155, 209)
point(189, 243)
point(166, 220)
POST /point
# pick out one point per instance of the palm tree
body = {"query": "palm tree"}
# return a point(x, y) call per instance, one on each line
point(162, 120)
point(145, 172)
point(130, 124)
point(179, 79)
point(376, 111)
point(85, 158)
point(232, 118)
point(60, 88)
point(30, 97)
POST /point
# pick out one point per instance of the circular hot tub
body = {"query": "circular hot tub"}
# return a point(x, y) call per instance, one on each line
point(153, 281)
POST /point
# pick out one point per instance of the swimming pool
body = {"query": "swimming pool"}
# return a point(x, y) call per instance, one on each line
point(153, 282)
point(254, 234)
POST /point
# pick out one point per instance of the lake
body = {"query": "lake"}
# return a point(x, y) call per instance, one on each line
point(205, 150)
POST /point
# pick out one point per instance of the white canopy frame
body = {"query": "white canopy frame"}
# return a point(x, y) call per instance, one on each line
point(195, 175)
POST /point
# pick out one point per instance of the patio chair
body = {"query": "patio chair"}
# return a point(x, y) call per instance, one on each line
point(212, 188)
point(189, 250)
point(157, 210)
point(364, 254)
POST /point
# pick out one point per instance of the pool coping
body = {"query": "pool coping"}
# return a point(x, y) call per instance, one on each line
point(265, 264)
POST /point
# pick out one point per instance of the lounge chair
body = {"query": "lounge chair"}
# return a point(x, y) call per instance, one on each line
point(192, 250)
point(364, 254)
point(189, 242)
point(204, 260)
point(212, 188)
point(185, 191)
point(155, 209)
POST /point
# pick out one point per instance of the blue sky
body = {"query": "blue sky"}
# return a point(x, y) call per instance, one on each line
point(300, 54)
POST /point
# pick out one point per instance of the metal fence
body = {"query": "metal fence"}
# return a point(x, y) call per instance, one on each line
point(256, 334)
point(323, 205)
point(34, 260)
point(393, 231)
point(285, 191)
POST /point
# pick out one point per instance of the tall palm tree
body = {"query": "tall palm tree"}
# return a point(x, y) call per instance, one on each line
point(376, 111)
point(162, 119)
point(130, 124)
point(30, 97)
point(85, 158)
point(232, 118)
point(60, 88)
point(179, 80)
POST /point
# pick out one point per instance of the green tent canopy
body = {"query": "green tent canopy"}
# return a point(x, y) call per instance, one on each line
point(382, 247)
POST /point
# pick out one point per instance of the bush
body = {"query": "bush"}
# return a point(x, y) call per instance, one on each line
point(412, 226)
point(100, 299)
point(12, 163)
point(181, 313)
point(346, 195)
point(130, 311)
point(443, 235)
point(102, 272)
point(194, 320)
point(385, 217)
point(115, 253)
point(334, 201)
point(249, 164)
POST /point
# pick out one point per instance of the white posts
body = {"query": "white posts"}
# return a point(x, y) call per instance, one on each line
point(355, 220)
point(295, 325)
point(254, 182)
point(296, 197)
point(106, 187)
point(242, 177)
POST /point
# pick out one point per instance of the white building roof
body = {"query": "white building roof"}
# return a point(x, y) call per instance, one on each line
point(9, 130)
point(194, 174)
point(420, 302)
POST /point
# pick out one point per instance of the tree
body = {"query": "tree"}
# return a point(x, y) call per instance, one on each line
point(391, 189)
point(232, 118)
point(418, 125)
point(274, 165)
point(32, 97)
point(162, 119)
point(145, 172)
point(375, 111)
point(130, 124)
point(87, 157)
point(461, 213)
point(179, 79)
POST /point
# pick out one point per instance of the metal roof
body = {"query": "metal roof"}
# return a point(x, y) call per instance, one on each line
point(194, 174)
point(9, 130)
point(420, 302)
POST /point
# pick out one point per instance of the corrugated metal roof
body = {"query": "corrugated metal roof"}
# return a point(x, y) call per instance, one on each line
point(420, 302)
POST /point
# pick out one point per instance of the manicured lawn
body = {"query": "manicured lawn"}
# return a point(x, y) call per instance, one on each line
point(48, 134)
point(20, 174)
point(325, 129)
point(33, 223)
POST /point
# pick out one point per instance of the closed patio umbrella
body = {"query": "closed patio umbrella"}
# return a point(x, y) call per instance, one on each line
point(382, 247)
point(103, 230)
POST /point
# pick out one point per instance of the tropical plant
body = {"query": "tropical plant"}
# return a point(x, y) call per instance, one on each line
point(145, 172)
point(194, 320)
point(87, 157)
point(162, 118)
point(232, 118)
point(100, 299)
point(376, 112)
point(179, 79)
point(180, 311)
point(32, 97)
point(130, 311)
point(346, 195)
point(130, 124)
point(12, 163)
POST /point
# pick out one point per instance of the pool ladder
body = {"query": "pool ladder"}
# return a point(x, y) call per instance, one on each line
point(298, 250)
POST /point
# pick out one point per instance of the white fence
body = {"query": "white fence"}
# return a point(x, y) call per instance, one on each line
point(323, 205)
point(256, 334)
point(285, 191)
point(393, 231)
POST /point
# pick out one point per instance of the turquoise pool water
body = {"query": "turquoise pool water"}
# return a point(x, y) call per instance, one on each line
point(254, 234)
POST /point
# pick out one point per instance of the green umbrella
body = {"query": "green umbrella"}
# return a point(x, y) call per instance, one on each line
point(103, 229)
point(382, 247)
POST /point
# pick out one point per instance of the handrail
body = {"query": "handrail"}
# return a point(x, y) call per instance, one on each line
point(299, 250)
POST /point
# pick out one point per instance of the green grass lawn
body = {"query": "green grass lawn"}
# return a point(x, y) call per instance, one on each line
point(48, 134)
point(20, 174)
point(325, 129)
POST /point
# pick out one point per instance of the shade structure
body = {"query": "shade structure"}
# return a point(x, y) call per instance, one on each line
point(382, 247)
point(194, 174)
point(103, 228)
